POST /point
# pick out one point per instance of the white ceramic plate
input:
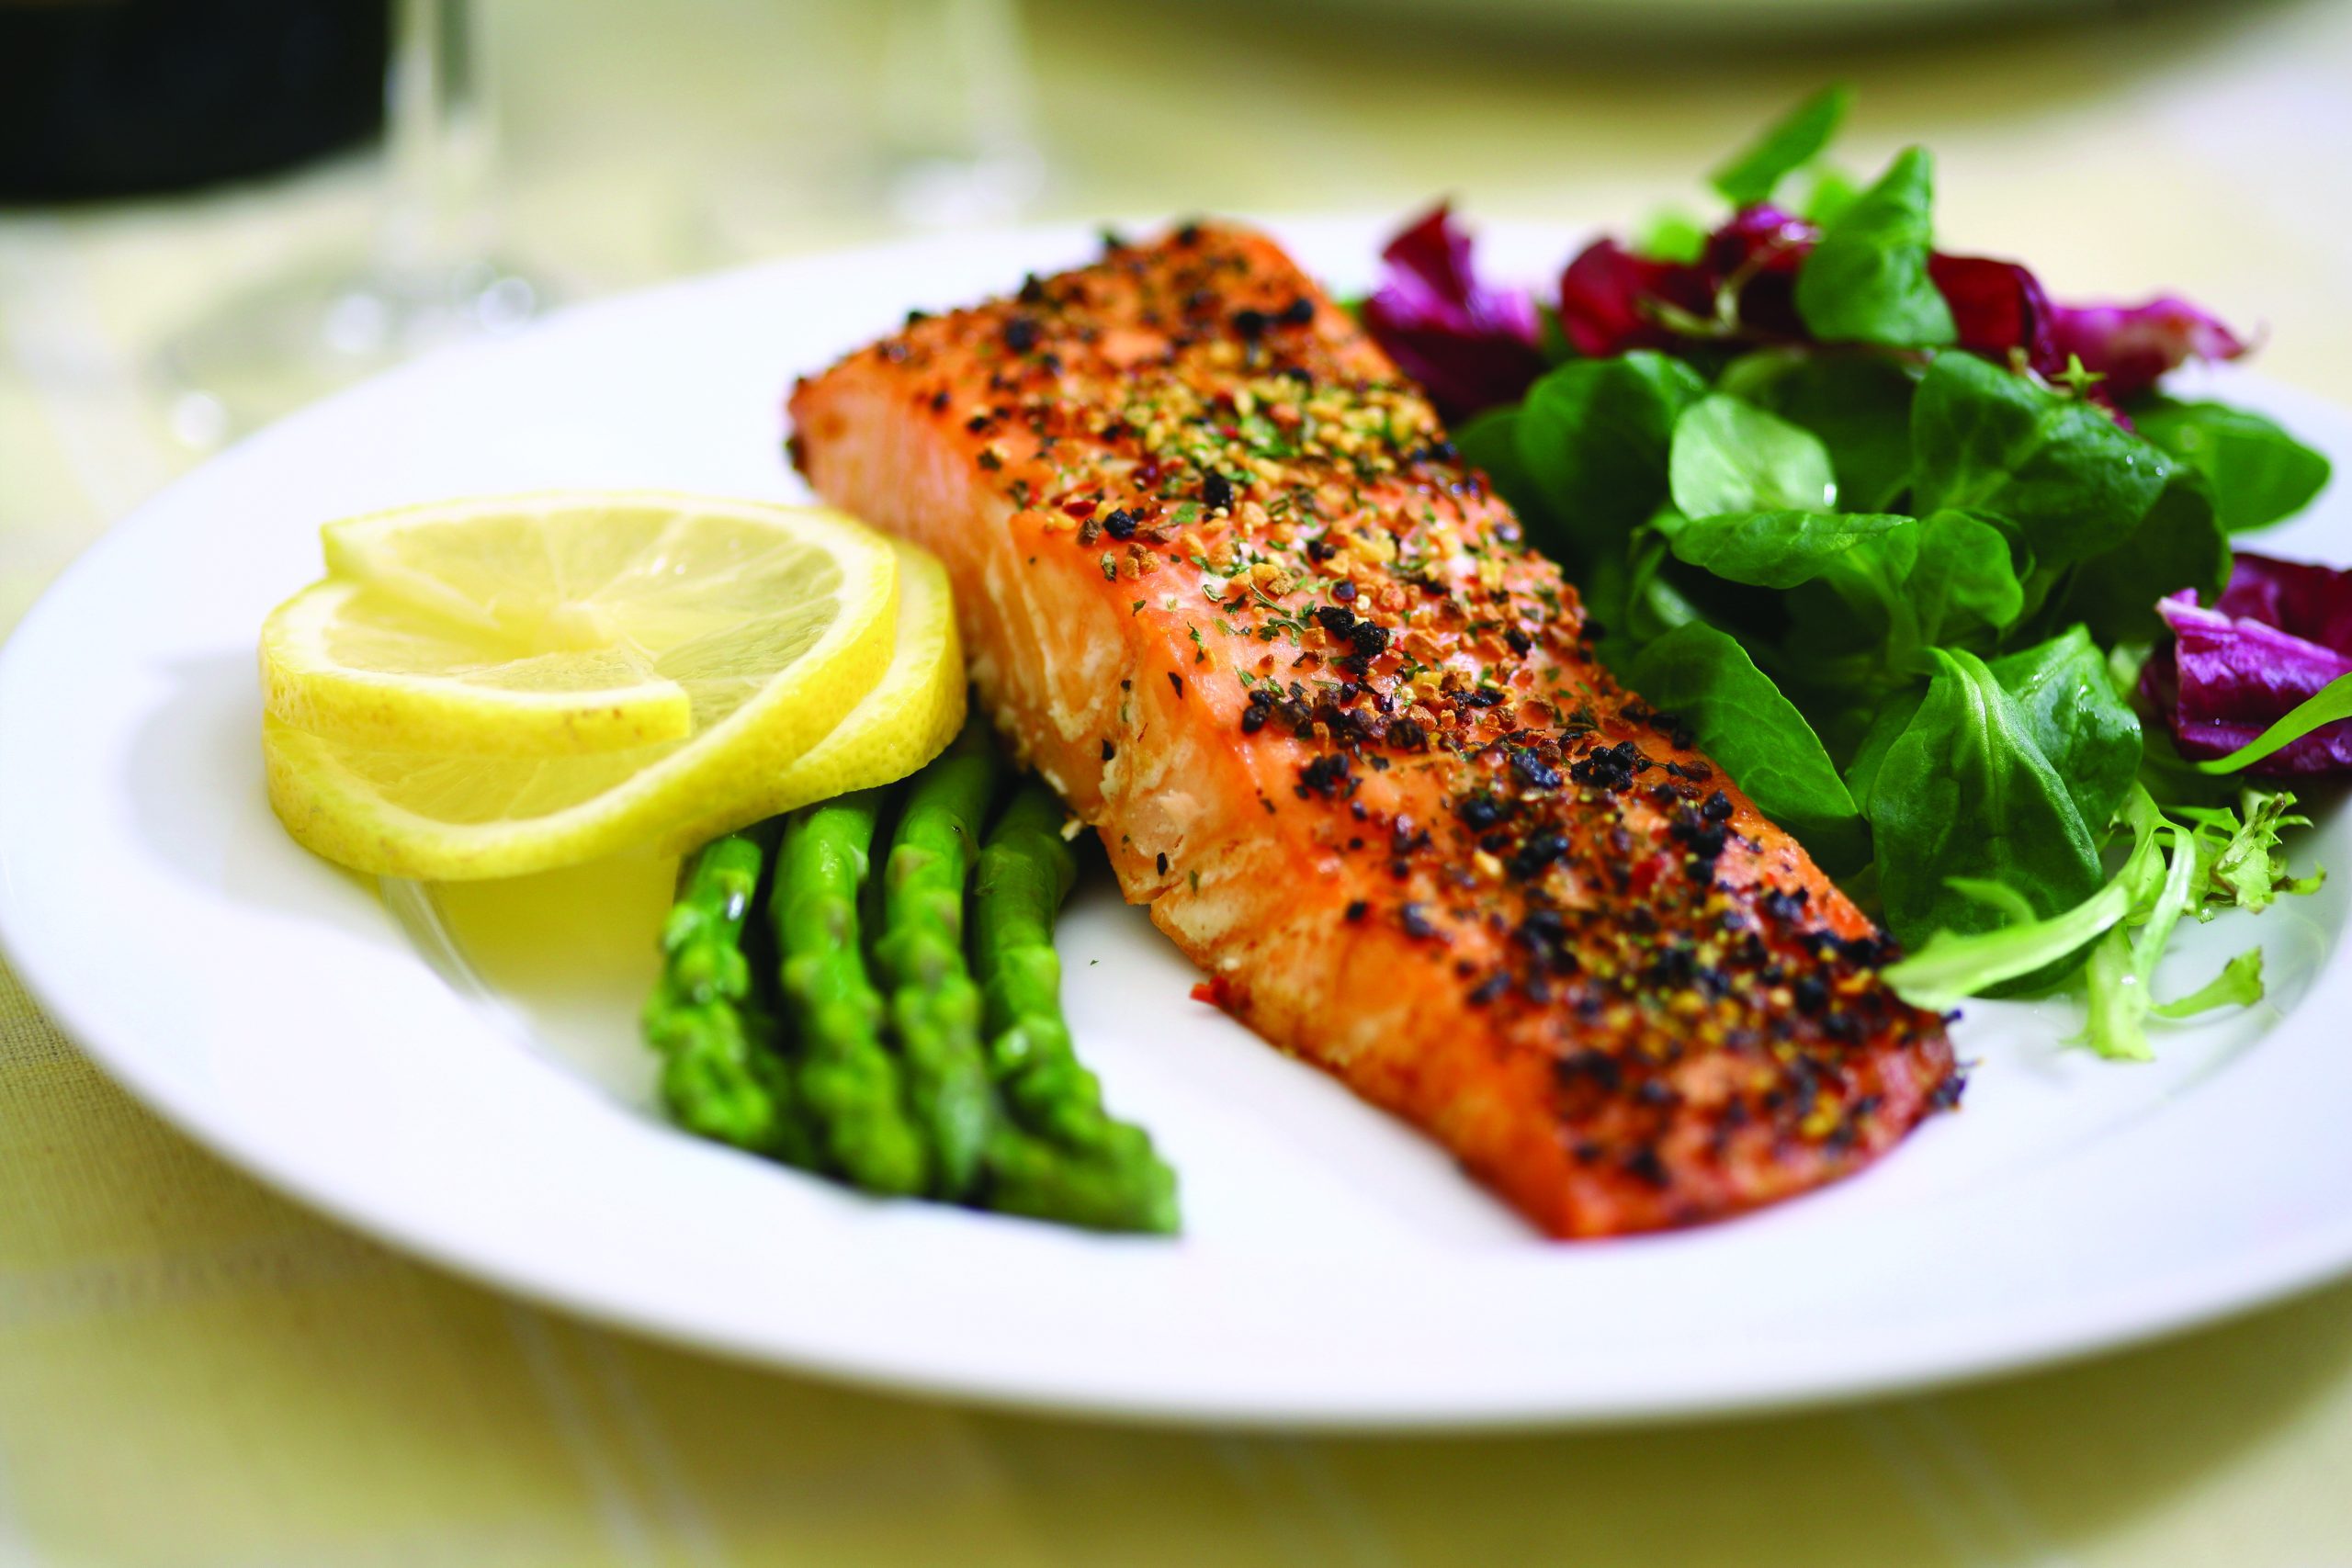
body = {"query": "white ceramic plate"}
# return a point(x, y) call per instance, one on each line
point(1337, 1269)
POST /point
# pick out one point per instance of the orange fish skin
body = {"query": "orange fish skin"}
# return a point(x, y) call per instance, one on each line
point(1226, 587)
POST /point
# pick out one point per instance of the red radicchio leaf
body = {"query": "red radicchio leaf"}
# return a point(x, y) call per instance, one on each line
point(2279, 632)
point(1998, 307)
point(1471, 346)
point(1760, 249)
point(2314, 603)
point(1611, 299)
point(1608, 295)
point(2132, 346)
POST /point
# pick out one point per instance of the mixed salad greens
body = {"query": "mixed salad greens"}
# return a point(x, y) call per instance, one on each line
point(1928, 560)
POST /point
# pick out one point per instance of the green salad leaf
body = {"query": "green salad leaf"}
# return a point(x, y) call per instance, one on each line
point(2182, 862)
point(1728, 455)
point(1788, 145)
point(2179, 543)
point(1773, 549)
point(1740, 718)
point(2122, 967)
point(1966, 791)
point(2238, 984)
point(1925, 582)
point(2255, 472)
point(1866, 280)
point(1593, 438)
point(1858, 405)
point(1652, 605)
point(1488, 441)
point(1831, 192)
point(1960, 585)
point(1671, 236)
point(2077, 720)
point(2060, 473)
point(2250, 864)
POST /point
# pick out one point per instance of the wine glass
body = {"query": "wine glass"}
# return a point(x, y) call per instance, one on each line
point(955, 142)
point(432, 275)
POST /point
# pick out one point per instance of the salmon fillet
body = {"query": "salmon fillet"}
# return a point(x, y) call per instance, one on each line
point(1229, 590)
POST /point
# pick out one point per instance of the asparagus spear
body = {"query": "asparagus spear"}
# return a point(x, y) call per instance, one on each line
point(934, 1008)
point(1069, 1158)
point(1101, 1190)
point(720, 1073)
point(850, 1082)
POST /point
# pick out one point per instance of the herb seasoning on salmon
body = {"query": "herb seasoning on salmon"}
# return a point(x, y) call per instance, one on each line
point(1228, 588)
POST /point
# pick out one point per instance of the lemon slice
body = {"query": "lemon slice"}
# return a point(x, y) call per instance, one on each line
point(774, 621)
point(906, 720)
point(359, 662)
point(546, 625)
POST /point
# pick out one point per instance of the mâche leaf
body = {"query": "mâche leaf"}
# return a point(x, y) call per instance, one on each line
point(1727, 456)
point(1832, 191)
point(1962, 584)
point(1792, 142)
point(1593, 439)
point(2255, 472)
point(1860, 406)
point(2056, 471)
point(2077, 720)
point(1490, 442)
point(1671, 237)
point(1923, 583)
point(1867, 280)
point(2179, 545)
point(1704, 677)
point(1773, 549)
point(1652, 606)
point(1965, 791)
point(1893, 717)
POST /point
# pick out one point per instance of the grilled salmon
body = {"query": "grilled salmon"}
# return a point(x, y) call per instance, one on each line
point(1227, 588)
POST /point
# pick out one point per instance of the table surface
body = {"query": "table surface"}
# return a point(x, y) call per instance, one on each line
point(194, 1371)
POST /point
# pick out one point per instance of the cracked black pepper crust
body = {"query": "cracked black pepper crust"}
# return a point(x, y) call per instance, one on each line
point(1192, 428)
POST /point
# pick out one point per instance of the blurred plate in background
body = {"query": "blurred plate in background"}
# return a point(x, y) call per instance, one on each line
point(1720, 20)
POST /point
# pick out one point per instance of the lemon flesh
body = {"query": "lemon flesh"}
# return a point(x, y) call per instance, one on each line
point(554, 624)
point(906, 720)
point(353, 661)
point(773, 623)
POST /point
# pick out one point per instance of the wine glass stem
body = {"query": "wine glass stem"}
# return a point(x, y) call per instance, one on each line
point(436, 217)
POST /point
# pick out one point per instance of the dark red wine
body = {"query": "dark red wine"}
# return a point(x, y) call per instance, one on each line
point(126, 97)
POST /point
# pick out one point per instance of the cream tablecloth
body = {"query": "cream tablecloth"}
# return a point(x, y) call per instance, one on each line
point(193, 1371)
